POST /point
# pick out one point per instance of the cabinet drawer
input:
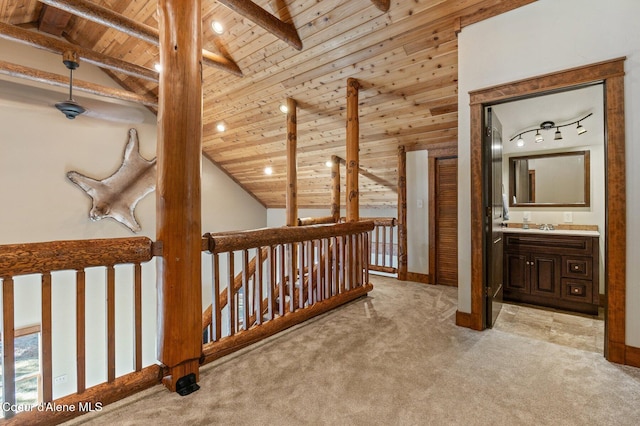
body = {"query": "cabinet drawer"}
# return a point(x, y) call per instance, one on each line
point(577, 267)
point(577, 290)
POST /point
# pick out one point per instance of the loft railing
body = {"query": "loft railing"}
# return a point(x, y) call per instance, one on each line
point(265, 281)
point(384, 245)
point(65, 267)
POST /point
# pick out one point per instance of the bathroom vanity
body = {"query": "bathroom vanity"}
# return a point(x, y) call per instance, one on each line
point(557, 268)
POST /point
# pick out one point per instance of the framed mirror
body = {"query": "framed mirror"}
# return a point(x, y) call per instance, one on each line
point(550, 180)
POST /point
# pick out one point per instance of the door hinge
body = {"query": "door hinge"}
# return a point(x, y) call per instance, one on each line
point(488, 130)
point(487, 291)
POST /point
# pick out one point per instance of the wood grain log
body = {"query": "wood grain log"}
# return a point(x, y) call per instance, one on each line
point(292, 168)
point(353, 148)
point(213, 351)
point(104, 16)
point(54, 45)
point(31, 258)
point(225, 242)
point(19, 71)
point(284, 31)
point(178, 193)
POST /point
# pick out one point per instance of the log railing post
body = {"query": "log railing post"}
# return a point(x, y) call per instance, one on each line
point(335, 188)
point(353, 162)
point(178, 205)
point(292, 170)
point(402, 213)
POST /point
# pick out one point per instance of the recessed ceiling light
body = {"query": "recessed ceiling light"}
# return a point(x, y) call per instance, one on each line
point(221, 127)
point(217, 27)
point(284, 109)
point(157, 66)
point(268, 170)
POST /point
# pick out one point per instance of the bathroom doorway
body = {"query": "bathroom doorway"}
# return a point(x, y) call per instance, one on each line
point(611, 74)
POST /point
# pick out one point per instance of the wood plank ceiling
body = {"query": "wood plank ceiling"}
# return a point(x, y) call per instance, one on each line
point(405, 59)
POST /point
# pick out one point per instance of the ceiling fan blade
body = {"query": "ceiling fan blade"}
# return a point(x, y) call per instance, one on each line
point(22, 95)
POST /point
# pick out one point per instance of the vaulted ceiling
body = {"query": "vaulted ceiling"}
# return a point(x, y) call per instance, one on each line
point(404, 54)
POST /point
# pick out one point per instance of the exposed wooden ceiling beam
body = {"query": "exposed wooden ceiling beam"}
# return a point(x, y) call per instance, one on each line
point(14, 70)
point(109, 18)
point(383, 5)
point(51, 44)
point(284, 31)
point(53, 21)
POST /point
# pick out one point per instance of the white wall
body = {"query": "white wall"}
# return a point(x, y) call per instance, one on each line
point(38, 145)
point(418, 212)
point(539, 38)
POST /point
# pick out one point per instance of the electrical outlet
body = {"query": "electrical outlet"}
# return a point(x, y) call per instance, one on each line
point(526, 216)
point(420, 203)
point(568, 217)
point(60, 379)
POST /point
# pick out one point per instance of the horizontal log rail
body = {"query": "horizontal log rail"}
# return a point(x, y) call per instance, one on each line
point(305, 221)
point(241, 240)
point(293, 275)
point(44, 259)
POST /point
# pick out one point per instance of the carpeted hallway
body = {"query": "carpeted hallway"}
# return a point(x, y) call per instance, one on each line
point(395, 358)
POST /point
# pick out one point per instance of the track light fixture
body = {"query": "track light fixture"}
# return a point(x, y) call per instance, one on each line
point(558, 136)
point(548, 125)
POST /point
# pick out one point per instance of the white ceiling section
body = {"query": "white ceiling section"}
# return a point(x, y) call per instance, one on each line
point(561, 108)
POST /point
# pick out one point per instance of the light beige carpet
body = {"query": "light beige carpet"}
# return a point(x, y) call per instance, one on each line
point(395, 358)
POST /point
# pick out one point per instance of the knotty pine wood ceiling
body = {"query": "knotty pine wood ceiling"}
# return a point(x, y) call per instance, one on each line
point(405, 59)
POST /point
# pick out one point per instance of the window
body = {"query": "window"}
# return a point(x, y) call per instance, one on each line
point(27, 366)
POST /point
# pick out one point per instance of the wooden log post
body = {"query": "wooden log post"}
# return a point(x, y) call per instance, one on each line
point(335, 188)
point(178, 202)
point(292, 167)
point(402, 213)
point(353, 162)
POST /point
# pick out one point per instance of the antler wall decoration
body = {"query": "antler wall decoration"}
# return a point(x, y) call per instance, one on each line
point(117, 195)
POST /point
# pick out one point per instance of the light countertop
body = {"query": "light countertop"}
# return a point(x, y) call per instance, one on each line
point(535, 230)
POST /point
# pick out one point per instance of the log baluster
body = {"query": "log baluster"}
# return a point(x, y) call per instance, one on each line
point(271, 277)
point(45, 330)
point(8, 353)
point(245, 289)
point(111, 324)
point(258, 286)
point(231, 294)
point(137, 300)
point(216, 318)
point(311, 281)
point(282, 279)
point(80, 331)
point(291, 264)
point(300, 275)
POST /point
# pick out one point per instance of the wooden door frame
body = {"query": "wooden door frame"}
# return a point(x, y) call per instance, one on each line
point(611, 74)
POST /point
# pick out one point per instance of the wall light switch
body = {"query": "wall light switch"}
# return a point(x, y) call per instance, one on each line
point(420, 203)
point(568, 217)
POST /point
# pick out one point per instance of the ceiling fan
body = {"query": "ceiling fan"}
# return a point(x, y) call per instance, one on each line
point(70, 108)
point(28, 95)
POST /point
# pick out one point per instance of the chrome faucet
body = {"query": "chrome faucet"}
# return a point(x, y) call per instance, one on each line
point(546, 227)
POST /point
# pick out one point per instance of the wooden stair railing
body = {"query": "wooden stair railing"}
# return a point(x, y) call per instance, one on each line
point(17, 260)
point(207, 316)
point(383, 246)
point(334, 263)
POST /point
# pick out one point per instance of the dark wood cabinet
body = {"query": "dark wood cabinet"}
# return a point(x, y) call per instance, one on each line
point(558, 271)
